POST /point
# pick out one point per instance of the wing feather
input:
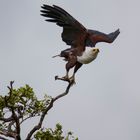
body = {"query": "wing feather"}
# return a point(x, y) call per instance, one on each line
point(74, 32)
point(72, 29)
point(96, 36)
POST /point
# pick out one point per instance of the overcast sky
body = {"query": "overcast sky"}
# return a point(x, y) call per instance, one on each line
point(105, 102)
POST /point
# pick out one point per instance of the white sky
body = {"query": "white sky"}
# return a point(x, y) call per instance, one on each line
point(105, 102)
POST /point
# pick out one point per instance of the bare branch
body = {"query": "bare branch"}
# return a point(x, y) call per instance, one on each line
point(10, 89)
point(16, 119)
point(2, 138)
point(28, 118)
point(9, 128)
point(6, 119)
point(39, 125)
point(7, 133)
point(65, 93)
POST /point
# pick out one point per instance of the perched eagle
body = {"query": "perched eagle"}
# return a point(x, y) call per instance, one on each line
point(81, 40)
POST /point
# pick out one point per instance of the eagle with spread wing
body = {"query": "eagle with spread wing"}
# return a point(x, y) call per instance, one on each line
point(81, 40)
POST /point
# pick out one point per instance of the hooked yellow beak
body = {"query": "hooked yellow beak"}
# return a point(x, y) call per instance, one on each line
point(96, 50)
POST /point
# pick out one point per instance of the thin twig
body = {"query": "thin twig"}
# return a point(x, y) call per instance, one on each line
point(6, 119)
point(28, 118)
point(7, 133)
point(65, 93)
point(16, 119)
point(2, 138)
point(38, 126)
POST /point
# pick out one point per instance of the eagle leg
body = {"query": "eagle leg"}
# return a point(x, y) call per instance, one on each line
point(72, 61)
point(64, 78)
point(77, 66)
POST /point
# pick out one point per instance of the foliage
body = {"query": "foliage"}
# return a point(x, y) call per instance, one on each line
point(57, 134)
point(20, 105)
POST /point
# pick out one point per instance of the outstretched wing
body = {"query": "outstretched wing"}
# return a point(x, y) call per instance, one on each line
point(73, 31)
point(96, 36)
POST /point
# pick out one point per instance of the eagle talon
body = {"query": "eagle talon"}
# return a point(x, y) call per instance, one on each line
point(65, 78)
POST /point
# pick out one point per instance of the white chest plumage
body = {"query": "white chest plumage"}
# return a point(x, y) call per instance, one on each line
point(88, 56)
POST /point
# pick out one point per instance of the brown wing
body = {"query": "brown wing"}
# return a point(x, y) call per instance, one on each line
point(96, 36)
point(73, 31)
